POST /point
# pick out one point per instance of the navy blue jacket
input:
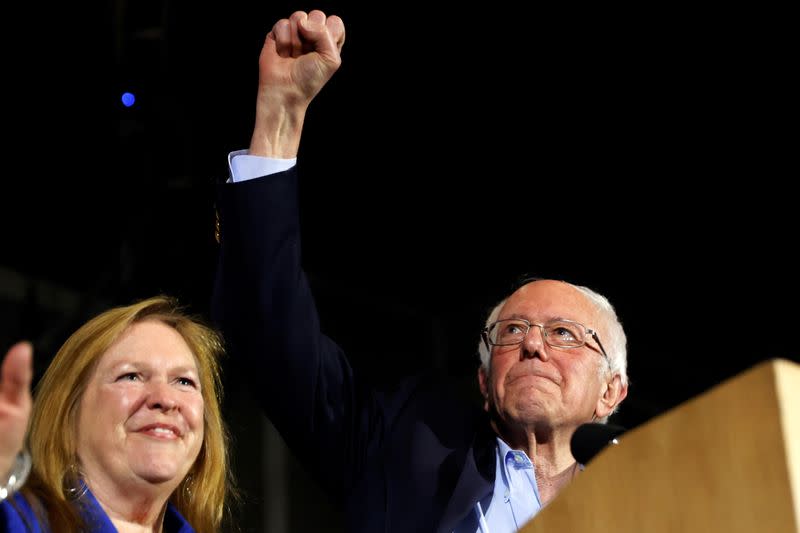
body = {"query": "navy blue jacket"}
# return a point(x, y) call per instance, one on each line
point(415, 460)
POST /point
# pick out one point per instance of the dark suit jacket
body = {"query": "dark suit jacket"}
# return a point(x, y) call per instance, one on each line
point(415, 460)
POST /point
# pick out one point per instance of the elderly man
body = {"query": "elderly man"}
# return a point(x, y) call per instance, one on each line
point(418, 459)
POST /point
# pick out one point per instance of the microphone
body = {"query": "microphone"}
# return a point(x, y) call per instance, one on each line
point(589, 439)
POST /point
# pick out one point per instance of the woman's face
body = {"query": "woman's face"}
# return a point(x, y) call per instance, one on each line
point(140, 420)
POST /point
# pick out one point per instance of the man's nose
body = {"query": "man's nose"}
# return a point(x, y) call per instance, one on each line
point(534, 345)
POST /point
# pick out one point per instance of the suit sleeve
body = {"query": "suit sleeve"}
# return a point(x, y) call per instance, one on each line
point(263, 304)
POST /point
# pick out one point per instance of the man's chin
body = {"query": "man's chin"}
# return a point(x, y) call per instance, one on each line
point(526, 415)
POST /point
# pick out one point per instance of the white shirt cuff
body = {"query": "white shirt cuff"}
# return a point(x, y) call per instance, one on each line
point(243, 166)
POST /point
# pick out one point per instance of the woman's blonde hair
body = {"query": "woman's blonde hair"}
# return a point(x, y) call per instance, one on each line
point(52, 439)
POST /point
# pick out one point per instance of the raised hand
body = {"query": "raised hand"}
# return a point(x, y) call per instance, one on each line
point(299, 56)
point(15, 402)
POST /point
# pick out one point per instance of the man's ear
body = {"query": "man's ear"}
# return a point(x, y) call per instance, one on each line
point(612, 396)
point(483, 384)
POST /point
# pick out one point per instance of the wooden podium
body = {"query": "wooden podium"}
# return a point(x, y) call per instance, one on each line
point(726, 461)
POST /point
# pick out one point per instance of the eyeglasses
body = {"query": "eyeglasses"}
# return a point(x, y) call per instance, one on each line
point(556, 333)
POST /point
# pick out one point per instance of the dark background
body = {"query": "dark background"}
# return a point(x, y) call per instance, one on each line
point(644, 153)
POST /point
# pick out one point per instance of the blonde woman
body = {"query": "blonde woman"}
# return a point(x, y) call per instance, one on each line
point(126, 432)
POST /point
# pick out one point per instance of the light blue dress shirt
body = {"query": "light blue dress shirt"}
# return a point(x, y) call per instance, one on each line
point(514, 500)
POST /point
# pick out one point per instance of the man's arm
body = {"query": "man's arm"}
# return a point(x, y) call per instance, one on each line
point(262, 299)
point(299, 56)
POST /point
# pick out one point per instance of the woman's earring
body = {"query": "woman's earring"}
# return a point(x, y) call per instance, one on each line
point(73, 485)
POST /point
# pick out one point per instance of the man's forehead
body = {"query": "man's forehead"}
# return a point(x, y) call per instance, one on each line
point(549, 299)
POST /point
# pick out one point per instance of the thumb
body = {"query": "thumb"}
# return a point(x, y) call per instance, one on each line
point(16, 374)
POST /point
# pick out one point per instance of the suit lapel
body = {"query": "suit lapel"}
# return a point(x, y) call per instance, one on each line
point(475, 481)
